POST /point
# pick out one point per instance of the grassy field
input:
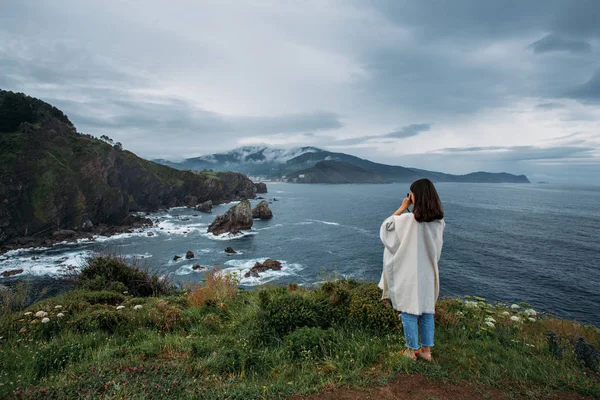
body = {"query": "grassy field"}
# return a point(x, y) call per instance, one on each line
point(122, 333)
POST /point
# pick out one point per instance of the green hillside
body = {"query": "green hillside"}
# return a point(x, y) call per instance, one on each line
point(52, 177)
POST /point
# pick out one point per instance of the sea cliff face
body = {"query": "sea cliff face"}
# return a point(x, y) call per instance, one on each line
point(52, 177)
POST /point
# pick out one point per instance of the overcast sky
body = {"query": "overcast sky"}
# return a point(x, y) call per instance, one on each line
point(455, 86)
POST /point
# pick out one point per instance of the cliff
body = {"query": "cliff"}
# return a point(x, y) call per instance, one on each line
point(52, 177)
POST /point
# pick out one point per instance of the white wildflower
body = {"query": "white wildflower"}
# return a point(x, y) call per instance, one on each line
point(490, 319)
point(515, 318)
point(531, 319)
point(137, 307)
point(45, 320)
point(60, 315)
point(57, 307)
point(471, 304)
point(506, 313)
point(120, 307)
point(460, 313)
point(530, 312)
point(28, 313)
point(515, 306)
point(490, 324)
point(41, 314)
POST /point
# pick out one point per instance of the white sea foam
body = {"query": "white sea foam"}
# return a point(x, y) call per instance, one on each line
point(229, 236)
point(33, 263)
point(188, 269)
point(268, 227)
point(325, 222)
point(242, 266)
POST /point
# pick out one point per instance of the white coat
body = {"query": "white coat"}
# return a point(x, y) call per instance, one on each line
point(410, 277)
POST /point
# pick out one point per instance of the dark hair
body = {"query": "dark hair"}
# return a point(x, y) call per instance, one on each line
point(428, 206)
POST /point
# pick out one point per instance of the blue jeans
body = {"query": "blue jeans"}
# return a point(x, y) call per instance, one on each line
point(412, 324)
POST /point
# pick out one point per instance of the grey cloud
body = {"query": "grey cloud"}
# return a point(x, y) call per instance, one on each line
point(589, 91)
point(550, 106)
point(408, 131)
point(170, 114)
point(433, 72)
point(401, 133)
point(553, 42)
point(577, 18)
point(525, 153)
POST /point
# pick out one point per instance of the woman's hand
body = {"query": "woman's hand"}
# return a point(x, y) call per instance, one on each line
point(405, 204)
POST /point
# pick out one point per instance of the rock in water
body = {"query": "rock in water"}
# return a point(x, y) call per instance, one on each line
point(197, 267)
point(266, 265)
point(205, 207)
point(230, 250)
point(262, 211)
point(261, 187)
point(235, 219)
point(12, 272)
point(176, 258)
point(189, 254)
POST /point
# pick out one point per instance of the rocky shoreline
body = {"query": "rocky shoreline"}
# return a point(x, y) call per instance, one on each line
point(71, 236)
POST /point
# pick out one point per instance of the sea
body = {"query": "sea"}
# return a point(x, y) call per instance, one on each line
point(537, 243)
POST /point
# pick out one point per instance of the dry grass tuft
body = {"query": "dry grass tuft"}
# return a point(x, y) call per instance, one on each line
point(217, 288)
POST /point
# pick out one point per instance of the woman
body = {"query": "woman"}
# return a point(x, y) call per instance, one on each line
point(410, 278)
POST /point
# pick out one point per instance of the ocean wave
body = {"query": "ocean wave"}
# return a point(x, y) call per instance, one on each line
point(242, 266)
point(229, 236)
point(34, 263)
point(325, 222)
point(268, 227)
point(188, 269)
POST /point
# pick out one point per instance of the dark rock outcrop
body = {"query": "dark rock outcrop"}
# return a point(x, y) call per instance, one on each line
point(190, 201)
point(189, 254)
point(230, 250)
point(87, 226)
point(198, 267)
point(205, 207)
point(64, 234)
point(261, 187)
point(262, 210)
point(12, 272)
point(176, 258)
point(235, 219)
point(84, 178)
point(266, 265)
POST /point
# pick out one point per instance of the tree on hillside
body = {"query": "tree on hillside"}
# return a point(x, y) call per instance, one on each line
point(14, 110)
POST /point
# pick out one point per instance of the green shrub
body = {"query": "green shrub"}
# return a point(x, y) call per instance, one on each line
point(280, 314)
point(313, 343)
point(367, 311)
point(100, 283)
point(212, 321)
point(114, 273)
point(79, 300)
point(104, 319)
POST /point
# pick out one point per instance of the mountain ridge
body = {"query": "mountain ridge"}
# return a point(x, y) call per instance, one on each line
point(288, 168)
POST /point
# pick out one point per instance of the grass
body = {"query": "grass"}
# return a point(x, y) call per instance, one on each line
point(217, 341)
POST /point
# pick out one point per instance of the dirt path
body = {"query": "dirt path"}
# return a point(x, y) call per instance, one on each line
point(418, 387)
